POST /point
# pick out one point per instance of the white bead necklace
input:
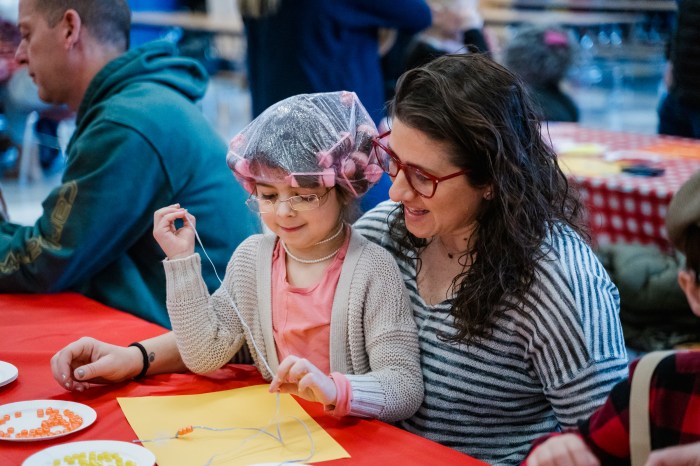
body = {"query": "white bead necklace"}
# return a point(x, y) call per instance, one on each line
point(321, 259)
point(335, 235)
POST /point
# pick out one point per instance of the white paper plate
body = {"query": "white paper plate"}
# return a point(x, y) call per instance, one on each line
point(127, 451)
point(633, 155)
point(8, 373)
point(29, 419)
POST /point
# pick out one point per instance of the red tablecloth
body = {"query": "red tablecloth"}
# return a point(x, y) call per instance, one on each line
point(625, 208)
point(34, 327)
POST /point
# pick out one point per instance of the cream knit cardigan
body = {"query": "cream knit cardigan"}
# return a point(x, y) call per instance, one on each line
point(373, 339)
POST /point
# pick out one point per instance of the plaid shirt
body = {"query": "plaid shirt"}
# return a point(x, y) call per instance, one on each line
point(674, 402)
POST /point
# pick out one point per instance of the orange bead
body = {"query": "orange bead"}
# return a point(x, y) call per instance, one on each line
point(18, 414)
point(40, 412)
point(185, 430)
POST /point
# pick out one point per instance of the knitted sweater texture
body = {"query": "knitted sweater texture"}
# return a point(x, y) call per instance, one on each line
point(373, 335)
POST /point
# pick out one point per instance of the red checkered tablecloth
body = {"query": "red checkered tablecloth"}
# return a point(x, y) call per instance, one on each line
point(625, 208)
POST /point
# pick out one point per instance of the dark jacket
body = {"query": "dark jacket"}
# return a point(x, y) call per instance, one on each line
point(685, 53)
point(322, 46)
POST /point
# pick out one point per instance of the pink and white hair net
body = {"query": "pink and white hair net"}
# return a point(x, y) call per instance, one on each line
point(308, 140)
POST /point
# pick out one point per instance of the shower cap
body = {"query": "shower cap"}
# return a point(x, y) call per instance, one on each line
point(308, 140)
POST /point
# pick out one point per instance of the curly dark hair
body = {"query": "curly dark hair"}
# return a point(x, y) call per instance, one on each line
point(482, 113)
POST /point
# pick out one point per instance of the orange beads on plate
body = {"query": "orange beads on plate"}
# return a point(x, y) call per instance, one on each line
point(53, 422)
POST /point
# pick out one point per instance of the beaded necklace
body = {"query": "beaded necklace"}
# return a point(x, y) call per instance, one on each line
point(321, 259)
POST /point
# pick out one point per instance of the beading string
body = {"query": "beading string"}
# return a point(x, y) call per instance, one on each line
point(276, 418)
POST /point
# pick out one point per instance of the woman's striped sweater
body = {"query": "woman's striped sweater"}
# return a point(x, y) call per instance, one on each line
point(543, 367)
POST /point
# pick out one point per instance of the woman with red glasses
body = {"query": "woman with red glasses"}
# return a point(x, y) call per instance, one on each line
point(518, 321)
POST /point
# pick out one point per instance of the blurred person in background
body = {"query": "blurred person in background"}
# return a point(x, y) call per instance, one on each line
point(679, 109)
point(18, 98)
point(9, 39)
point(456, 24)
point(541, 57)
point(307, 46)
point(3, 207)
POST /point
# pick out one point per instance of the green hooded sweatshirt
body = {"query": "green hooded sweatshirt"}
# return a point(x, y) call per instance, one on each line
point(140, 144)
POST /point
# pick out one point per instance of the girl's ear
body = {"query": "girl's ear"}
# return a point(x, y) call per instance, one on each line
point(686, 280)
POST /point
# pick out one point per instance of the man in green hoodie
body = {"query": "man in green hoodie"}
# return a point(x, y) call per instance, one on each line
point(140, 144)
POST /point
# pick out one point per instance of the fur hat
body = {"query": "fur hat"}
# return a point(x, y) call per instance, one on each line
point(683, 212)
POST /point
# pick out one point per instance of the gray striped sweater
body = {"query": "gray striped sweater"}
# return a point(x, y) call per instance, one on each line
point(543, 368)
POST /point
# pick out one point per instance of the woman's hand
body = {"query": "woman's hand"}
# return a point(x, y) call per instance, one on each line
point(88, 361)
point(681, 455)
point(563, 450)
point(175, 242)
point(299, 377)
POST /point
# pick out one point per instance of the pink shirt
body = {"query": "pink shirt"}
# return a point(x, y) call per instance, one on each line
point(301, 319)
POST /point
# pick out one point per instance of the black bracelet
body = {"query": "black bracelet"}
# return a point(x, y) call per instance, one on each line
point(146, 362)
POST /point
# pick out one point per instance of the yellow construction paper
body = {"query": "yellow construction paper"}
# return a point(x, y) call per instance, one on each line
point(159, 417)
point(589, 166)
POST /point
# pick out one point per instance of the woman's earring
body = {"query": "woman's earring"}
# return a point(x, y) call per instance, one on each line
point(488, 195)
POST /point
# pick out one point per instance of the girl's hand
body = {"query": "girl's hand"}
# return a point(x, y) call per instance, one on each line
point(562, 450)
point(87, 361)
point(175, 242)
point(299, 377)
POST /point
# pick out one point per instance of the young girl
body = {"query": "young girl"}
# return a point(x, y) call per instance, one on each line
point(320, 309)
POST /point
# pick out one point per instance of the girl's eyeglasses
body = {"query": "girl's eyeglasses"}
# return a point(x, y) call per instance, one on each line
point(299, 203)
point(422, 182)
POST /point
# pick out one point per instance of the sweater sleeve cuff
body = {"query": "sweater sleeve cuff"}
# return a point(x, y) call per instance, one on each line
point(367, 396)
point(183, 279)
point(343, 398)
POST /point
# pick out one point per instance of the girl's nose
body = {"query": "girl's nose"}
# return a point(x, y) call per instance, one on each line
point(284, 209)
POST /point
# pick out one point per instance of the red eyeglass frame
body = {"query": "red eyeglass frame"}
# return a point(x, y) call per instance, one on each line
point(403, 166)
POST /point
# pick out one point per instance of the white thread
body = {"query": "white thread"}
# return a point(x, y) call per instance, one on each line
point(276, 417)
point(230, 298)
